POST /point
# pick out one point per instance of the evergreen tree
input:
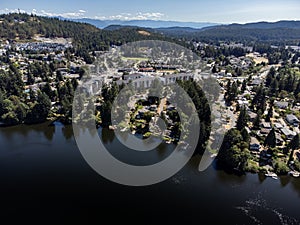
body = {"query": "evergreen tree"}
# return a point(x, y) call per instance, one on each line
point(40, 109)
point(245, 135)
point(233, 152)
point(231, 92)
point(30, 79)
point(257, 120)
point(214, 69)
point(270, 76)
point(270, 113)
point(244, 85)
point(1, 103)
point(271, 139)
point(293, 145)
point(238, 71)
point(242, 119)
point(259, 99)
point(47, 90)
point(274, 88)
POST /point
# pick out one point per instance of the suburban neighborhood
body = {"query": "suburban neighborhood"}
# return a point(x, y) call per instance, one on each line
point(246, 81)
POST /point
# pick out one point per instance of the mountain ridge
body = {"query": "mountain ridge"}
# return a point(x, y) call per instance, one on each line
point(142, 23)
point(163, 24)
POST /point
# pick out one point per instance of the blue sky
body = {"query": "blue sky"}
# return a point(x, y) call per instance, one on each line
point(179, 10)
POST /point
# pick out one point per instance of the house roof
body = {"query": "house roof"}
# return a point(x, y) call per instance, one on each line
point(281, 104)
point(253, 141)
point(256, 81)
point(252, 115)
point(278, 137)
point(287, 132)
point(278, 125)
point(266, 124)
point(291, 117)
point(264, 131)
point(241, 102)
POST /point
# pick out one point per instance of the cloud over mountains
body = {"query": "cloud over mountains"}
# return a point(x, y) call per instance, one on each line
point(81, 13)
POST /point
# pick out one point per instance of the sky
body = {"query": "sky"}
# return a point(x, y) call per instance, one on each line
point(217, 11)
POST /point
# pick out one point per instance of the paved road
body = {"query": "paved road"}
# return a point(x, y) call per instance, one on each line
point(227, 113)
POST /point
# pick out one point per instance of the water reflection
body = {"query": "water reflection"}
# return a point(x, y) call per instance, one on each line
point(47, 129)
point(67, 132)
point(228, 176)
point(295, 183)
point(284, 180)
point(107, 135)
point(261, 177)
point(49, 133)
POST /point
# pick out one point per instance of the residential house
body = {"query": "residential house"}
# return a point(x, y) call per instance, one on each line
point(292, 120)
point(256, 82)
point(264, 131)
point(288, 133)
point(278, 126)
point(254, 144)
point(281, 105)
point(243, 102)
point(279, 140)
point(266, 125)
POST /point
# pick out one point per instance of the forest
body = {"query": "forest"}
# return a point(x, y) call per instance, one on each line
point(247, 34)
point(86, 38)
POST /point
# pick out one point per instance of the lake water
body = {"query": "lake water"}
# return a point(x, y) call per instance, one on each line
point(45, 179)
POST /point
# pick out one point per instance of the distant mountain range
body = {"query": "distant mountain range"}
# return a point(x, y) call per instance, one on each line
point(273, 32)
point(186, 26)
point(143, 23)
point(293, 24)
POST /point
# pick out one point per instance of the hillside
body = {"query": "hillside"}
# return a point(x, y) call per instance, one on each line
point(269, 25)
point(277, 32)
point(85, 37)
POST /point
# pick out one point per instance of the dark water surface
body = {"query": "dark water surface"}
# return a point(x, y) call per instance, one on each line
point(45, 180)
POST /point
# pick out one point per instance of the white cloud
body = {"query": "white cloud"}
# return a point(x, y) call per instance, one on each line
point(81, 13)
point(6, 10)
point(136, 16)
point(77, 14)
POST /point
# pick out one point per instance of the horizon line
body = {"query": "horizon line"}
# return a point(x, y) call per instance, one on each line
point(158, 20)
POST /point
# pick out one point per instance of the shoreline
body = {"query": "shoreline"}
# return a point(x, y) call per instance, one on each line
point(218, 165)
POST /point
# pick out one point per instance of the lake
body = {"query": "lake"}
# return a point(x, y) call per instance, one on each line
point(45, 180)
